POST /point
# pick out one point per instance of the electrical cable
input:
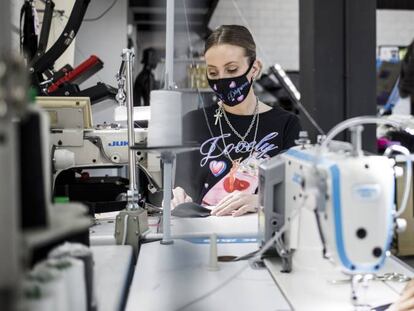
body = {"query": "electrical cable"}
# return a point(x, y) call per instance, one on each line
point(408, 175)
point(125, 229)
point(96, 140)
point(286, 83)
point(227, 258)
point(200, 97)
point(214, 290)
point(15, 29)
point(321, 236)
point(93, 19)
point(59, 18)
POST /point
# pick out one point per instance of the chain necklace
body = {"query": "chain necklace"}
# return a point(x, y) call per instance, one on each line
point(226, 153)
point(222, 112)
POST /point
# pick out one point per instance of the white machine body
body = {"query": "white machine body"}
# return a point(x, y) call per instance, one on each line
point(76, 143)
point(93, 148)
point(351, 197)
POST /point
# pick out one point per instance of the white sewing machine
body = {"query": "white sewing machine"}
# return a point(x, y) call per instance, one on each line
point(335, 207)
point(76, 143)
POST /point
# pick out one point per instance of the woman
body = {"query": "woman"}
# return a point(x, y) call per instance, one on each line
point(236, 135)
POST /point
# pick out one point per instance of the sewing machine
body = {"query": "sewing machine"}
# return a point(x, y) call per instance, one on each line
point(329, 208)
point(76, 143)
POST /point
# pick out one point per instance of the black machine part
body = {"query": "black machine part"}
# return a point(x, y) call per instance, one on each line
point(46, 23)
point(96, 93)
point(101, 194)
point(33, 194)
point(406, 85)
point(60, 73)
point(46, 60)
point(98, 193)
point(28, 37)
point(99, 92)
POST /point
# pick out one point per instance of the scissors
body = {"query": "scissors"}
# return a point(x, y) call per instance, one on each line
point(393, 276)
point(386, 277)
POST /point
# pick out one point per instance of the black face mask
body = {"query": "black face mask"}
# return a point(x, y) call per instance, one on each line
point(232, 91)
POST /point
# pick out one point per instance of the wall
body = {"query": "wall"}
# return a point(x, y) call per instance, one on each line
point(273, 23)
point(395, 27)
point(15, 19)
point(57, 26)
point(58, 23)
point(156, 40)
point(275, 26)
point(106, 38)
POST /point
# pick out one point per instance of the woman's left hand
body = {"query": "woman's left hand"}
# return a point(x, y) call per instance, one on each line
point(236, 204)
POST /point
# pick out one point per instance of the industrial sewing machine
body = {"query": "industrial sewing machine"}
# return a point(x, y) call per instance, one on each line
point(76, 143)
point(330, 207)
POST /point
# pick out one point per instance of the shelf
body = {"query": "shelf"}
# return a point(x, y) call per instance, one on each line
point(185, 60)
point(190, 90)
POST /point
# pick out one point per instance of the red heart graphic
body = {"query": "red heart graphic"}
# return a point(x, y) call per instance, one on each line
point(238, 184)
point(241, 184)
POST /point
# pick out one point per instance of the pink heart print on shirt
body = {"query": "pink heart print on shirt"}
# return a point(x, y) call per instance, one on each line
point(217, 167)
point(240, 98)
point(232, 85)
point(215, 87)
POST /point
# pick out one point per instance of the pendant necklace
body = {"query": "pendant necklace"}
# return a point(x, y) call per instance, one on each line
point(236, 163)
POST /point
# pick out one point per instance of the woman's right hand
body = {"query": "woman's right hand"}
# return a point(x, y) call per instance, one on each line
point(179, 196)
point(406, 300)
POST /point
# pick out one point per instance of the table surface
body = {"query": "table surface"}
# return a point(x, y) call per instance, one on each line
point(225, 226)
point(176, 277)
point(309, 289)
point(112, 271)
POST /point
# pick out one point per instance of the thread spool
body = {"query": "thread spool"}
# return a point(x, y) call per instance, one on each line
point(83, 253)
point(73, 273)
point(52, 284)
point(34, 297)
point(165, 126)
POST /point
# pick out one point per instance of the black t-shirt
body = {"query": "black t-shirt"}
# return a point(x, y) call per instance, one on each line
point(208, 174)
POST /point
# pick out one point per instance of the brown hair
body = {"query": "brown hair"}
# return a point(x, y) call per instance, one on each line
point(233, 35)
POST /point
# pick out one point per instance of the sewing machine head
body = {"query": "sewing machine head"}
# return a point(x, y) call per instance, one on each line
point(336, 205)
point(78, 143)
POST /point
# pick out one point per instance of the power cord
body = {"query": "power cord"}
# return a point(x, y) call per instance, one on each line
point(93, 19)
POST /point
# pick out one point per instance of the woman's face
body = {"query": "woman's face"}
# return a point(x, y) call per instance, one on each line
point(227, 61)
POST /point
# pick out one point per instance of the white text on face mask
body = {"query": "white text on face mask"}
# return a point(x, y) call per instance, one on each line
point(261, 148)
point(237, 92)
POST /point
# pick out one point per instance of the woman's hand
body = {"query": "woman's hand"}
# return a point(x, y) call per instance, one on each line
point(236, 204)
point(179, 196)
point(406, 301)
